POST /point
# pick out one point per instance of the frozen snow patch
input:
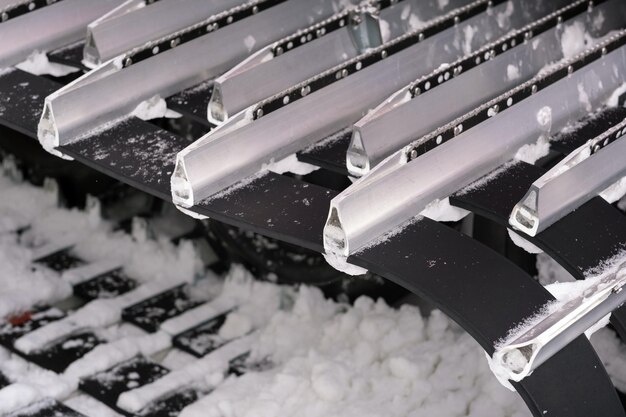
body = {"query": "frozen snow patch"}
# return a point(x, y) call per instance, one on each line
point(291, 164)
point(523, 243)
point(37, 63)
point(341, 264)
point(154, 108)
point(443, 211)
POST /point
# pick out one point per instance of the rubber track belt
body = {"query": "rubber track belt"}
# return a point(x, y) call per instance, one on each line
point(71, 55)
point(193, 103)
point(330, 156)
point(485, 293)
point(21, 100)
point(482, 291)
point(581, 241)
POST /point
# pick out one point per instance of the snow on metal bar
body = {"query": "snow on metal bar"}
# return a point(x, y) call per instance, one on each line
point(504, 64)
point(308, 53)
point(202, 28)
point(130, 26)
point(564, 322)
point(10, 9)
point(259, 77)
point(110, 93)
point(511, 97)
point(209, 165)
point(399, 188)
point(51, 27)
point(374, 56)
point(581, 175)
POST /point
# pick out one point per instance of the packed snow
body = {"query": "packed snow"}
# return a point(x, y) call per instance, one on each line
point(321, 357)
point(37, 63)
point(575, 40)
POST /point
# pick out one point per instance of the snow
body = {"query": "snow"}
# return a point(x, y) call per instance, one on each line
point(503, 18)
point(207, 371)
point(523, 243)
point(324, 357)
point(291, 164)
point(512, 72)
point(532, 152)
point(550, 271)
point(340, 263)
point(615, 192)
point(97, 313)
point(469, 32)
point(583, 97)
point(366, 360)
point(613, 101)
point(104, 356)
point(37, 63)
point(443, 211)
point(30, 383)
point(89, 406)
point(563, 289)
point(249, 41)
point(154, 108)
point(575, 40)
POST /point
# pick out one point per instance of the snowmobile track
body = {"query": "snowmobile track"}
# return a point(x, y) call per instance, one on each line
point(481, 290)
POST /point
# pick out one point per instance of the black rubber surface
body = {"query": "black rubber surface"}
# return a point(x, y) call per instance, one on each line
point(193, 102)
point(330, 156)
point(4, 381)
point(17, 326)
point(108, 385)
point(150, 313)
point(486, 294)
point(202, 339)
point(61, 261)
point(275, 206)
point(135, 152)
point(71, 55)
point(112, 284)
point(61, 355)
point(580, 242)
point(21, 100)
point(590, 128)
